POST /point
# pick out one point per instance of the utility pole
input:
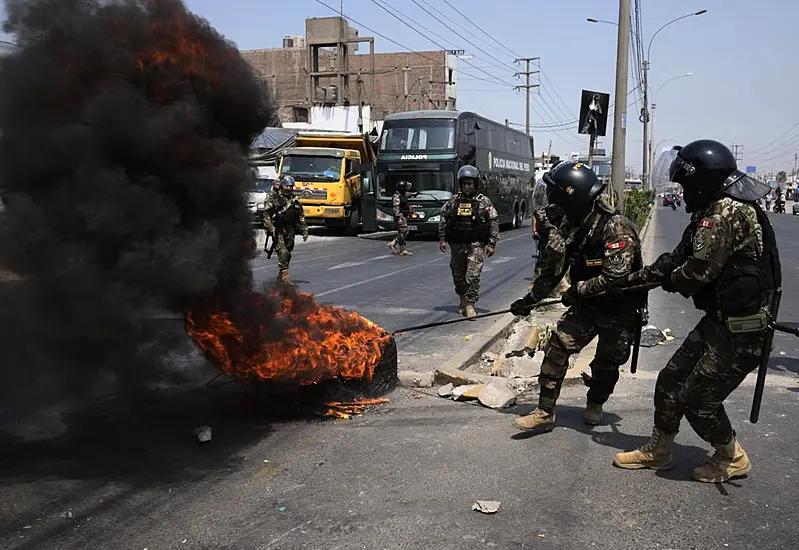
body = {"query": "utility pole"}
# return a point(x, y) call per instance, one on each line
point(795, 158)
point(527, 86)
point(737, 152)
point(620, 110)
point(645, 120)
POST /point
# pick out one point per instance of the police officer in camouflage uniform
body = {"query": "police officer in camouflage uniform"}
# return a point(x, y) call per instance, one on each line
point(470, 224)
point(283, 218)
point(600, 247)
point(402, 211)
point(728, 262)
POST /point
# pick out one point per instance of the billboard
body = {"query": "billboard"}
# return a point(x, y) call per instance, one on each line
point(751, 169)
point(593, 113)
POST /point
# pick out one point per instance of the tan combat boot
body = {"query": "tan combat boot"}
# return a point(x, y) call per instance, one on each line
point(462, 305)
point(539, 418)
point(393, 246)
point(283, 277)
point(592, 415)
point(655, 454)
point(468, 310)
point(405, 252)
point(729, 461)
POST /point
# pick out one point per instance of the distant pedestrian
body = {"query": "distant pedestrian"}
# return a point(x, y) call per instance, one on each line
point(402, 211)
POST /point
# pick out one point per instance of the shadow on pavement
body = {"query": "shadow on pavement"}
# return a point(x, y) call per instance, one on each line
point(784, 364)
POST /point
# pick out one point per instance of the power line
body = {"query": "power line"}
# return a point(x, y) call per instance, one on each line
point(776, 140)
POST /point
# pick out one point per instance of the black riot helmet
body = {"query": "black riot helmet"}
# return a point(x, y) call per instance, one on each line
point(574, 187)
point(706, 169)
point(468, 174)
point(403, 186)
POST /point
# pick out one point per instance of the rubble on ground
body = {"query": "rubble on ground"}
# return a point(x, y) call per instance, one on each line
point(652, 336)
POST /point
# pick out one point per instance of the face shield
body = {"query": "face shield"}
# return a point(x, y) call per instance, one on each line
point(740, 186)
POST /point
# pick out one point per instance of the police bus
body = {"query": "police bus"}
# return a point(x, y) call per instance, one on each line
point(428, 147)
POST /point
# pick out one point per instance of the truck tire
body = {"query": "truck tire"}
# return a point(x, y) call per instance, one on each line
point(351, 224)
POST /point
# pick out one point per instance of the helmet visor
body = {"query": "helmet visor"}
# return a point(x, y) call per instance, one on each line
point(740, 186)
point(680, 168)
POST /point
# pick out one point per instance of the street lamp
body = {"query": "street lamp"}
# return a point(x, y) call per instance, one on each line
point(644, 117)
point(654, 105)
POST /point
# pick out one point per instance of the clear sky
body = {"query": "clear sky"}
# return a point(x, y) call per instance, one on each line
point(743, 55)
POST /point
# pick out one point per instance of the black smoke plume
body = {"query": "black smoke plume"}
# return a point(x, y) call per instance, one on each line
point(124, 131)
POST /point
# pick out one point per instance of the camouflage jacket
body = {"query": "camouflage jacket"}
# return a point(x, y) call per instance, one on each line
point(275, 205)
point(620, 243)
point(721, 235)
point(486, 211)
point(396, 204)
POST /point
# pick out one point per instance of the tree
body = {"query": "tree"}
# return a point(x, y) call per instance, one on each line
point(782, 177)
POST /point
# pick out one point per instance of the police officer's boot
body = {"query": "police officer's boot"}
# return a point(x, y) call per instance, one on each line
point(592, 415)
point(729, 461)
point(462, 305)
point(655, 454)
point(393, 246)
point(404, 251)
point(468, 310)
point(539, 418)
point(283, 277)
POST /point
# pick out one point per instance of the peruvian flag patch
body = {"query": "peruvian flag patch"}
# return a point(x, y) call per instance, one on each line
point(706, 223)
point(616, 246)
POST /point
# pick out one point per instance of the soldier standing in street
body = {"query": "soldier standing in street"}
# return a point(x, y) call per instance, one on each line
point(402, 211)
point(283, 218)
point(600, 247)
point(728, 262)
point(470, 224)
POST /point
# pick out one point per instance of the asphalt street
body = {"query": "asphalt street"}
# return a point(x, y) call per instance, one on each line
point(402, 291)
point(405, 475)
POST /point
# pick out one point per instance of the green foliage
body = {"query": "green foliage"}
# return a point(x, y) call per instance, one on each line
point(637, 203)
point(782, 177)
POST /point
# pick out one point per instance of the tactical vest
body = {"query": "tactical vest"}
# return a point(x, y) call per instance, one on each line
point(405, 206)
point(745, 284)
point(465, 223)
point(586, 263)
point(288, 212)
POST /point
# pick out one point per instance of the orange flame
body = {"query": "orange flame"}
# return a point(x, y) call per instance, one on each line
point(348, 410)
point(287, 336)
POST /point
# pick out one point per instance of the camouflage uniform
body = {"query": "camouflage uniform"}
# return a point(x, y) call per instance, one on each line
point(284, 217)
point(605, 248)
point(402, 210)
point(468, 225)
point(712, 361)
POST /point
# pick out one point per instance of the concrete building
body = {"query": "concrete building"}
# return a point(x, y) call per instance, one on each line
point(329, 67)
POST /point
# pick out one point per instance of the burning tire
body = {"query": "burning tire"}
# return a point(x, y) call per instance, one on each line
point(384, 377)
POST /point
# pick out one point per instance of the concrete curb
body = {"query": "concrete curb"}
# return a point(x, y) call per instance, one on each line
point(478, 344)
point(378, 236)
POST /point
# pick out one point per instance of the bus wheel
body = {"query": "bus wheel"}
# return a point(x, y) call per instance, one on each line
point(520, 216)
point(516, 223)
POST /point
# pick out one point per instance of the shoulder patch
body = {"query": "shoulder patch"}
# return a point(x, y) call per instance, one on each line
point(616, 246)
point(706, 223)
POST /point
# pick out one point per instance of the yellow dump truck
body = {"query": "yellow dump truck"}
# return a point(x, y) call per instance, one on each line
point(329, 170)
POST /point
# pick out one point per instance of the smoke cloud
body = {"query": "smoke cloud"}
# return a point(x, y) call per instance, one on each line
point(124, 131)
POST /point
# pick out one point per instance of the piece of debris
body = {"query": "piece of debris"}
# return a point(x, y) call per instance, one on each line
point(462, 393)
point(496, 396)
point(523, 384)
point(203, 434)
point(413, 379)
point(489, 357)
point(651, 336)
point(282, 509)
point(462, 377)
point(446, 390)
point(416, 396)
point(487, 506)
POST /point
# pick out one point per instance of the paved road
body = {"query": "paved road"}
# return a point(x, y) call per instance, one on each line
point(405, 476)
point(402, 291)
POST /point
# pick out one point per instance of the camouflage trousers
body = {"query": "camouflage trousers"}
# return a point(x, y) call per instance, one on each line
point(466, 264)
point(284, 248)
point(402, 230)
point(575, 330)
point(709, 365)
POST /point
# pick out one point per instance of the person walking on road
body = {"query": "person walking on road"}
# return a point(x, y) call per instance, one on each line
point(283, 218)
point(728, 262)
point(470, 225)
point(600, 247)
point(402, 211)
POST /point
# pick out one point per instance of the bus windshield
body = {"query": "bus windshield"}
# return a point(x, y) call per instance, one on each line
point(418, 135)
point(431, 186)
point(311, 168)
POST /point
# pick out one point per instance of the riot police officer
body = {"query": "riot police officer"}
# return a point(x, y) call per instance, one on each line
point(470, 224)
point(727, 261)
point(402, 211)
point(596, 245)
point(283, 218)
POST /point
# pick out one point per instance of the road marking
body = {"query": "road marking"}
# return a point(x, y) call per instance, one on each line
point(502, 260)
point(353, 264)
point(294, 262)
point(369, 280)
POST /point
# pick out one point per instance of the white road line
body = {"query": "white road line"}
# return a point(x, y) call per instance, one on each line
point(294, 262)
point(377, 278)
point(503, 260)
point(353, 264)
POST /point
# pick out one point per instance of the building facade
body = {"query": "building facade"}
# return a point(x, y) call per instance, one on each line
point(329, 67)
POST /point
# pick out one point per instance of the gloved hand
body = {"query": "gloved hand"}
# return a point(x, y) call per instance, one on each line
point(490, 251)
point(667, 285)
point(304, 238)
point(570, 297)
point(616, 286)
point(523, 306)
point(442, 246)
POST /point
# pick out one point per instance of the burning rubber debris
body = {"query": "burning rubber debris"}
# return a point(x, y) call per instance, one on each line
point(123, 167)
